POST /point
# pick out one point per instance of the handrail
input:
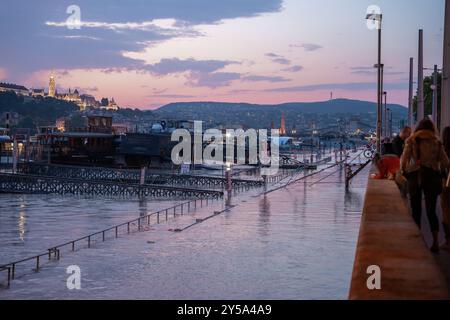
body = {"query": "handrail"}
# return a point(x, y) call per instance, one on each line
point(149, 175)
point(54, 252)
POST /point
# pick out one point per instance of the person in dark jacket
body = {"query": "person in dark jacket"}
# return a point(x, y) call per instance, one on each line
point(399, 141)
point(445, 196)
point(422, 162)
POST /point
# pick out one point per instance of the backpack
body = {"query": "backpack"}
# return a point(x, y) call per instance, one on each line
point(428, 178)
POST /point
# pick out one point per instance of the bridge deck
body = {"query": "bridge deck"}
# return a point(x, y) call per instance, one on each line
point(390, 239)
point(21, 183)
point(133, 176)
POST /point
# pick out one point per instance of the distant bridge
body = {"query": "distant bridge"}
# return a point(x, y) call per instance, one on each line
point(25, 183)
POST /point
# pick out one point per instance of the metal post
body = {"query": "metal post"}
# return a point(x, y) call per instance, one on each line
point(387, 120)
point(381, 95)
point(27, 147)
point(49, 147)
point(379, 115)
point(228, 178)
point(410, 93)
point(445, 88)
point(15, 155)
point(386, 133)
point(9, 277)
point(435, 95)
point(142, 177)
point(420, 103)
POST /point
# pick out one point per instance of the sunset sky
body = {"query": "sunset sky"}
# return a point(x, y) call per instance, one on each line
point(146, 53)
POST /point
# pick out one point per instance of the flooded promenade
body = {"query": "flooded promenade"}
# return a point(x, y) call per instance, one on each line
point(294, 243)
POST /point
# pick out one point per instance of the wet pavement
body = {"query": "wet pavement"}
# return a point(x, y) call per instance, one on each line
point(295, 243)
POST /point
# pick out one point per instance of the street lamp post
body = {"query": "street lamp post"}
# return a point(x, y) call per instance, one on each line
point(228, 179)
point(445, 84)
point(435, 95)
point(420, 102)
point(389, 123)
point(386, 132)
point(434, 88)
point(410, 93)
point(378, 17)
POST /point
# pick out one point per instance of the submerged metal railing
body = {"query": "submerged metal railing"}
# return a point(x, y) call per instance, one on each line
point(132, 176)
point(136, 225)
point(54, 253)
point(25, 183)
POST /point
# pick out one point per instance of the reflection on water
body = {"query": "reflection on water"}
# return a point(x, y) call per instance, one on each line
point(21, 222)
point(296, 243)
point(353, 201)
point(143, 207)
point(264, 216)
point(29, 224)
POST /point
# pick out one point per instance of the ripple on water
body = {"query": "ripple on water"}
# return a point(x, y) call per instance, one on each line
point(295, 243)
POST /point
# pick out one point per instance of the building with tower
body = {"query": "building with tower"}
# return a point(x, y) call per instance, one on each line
point(17, 89)
point(283, 125)
point(81, 100)
point(52, 86)
point(70, 96)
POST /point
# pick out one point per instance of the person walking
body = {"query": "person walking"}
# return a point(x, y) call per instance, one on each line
point(399, 141)
point(422, 163)
point(445, 196)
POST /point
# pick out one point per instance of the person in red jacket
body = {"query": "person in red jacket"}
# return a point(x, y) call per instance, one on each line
point(387, 165)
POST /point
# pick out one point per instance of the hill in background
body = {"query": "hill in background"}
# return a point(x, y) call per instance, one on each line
point(34, 112)
point(296, 113)
point(45, 111)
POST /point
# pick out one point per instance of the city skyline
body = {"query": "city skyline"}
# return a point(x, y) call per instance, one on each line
point(231, 52)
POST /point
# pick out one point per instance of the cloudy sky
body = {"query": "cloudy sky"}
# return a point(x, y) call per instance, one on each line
point(146, 53)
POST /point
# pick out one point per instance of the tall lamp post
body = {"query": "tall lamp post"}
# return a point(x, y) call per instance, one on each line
point(420, 102)
point(389, 123)
point(435, 89)
point(410, 93)
point(378, 17)
point(386, 118)
point(435, 94)
point(445, 87)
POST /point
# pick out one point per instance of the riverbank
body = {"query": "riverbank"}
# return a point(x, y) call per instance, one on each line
point(390, 240)
point(295, 243)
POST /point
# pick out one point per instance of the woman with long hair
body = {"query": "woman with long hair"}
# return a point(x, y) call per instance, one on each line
point(445, 196)
point(423, 162)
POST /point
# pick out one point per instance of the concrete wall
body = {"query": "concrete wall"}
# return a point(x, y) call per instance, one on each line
point(390, 239)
